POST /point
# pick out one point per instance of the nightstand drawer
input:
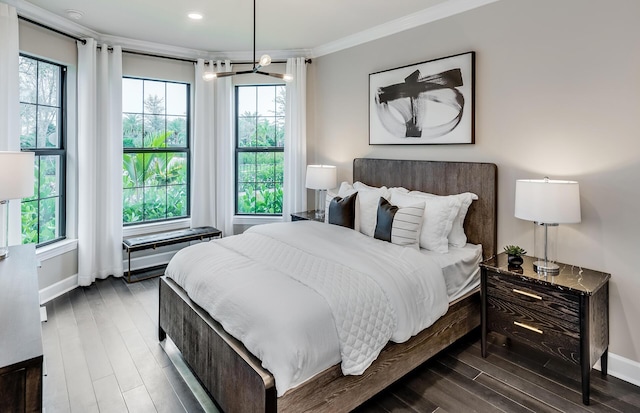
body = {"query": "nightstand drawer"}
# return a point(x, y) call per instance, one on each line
point(537, 298)
point(546, 333)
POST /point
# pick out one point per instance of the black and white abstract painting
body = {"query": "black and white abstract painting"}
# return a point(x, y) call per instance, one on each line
point(424, 103)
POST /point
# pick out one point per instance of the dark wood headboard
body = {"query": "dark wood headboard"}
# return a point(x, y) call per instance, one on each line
point(444, 178)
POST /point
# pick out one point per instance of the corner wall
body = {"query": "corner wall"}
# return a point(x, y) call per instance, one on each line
point(557, 94)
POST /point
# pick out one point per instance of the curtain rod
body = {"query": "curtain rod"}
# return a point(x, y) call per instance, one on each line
point(83, 41)
point(52, 29)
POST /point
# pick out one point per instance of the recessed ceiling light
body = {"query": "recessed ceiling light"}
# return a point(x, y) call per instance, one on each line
point(195, 16)
point(74, 14)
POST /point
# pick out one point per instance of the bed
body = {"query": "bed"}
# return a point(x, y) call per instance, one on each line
point(235, 378)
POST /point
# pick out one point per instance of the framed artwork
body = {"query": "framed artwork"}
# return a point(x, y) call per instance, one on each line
point(425, 103)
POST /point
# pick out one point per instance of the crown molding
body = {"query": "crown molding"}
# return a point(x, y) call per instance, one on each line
point(431, 14)
point(144, 46)
point(45, 17)
point(33, 12)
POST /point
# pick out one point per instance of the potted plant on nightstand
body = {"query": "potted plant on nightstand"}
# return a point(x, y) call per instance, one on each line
point(515, 254)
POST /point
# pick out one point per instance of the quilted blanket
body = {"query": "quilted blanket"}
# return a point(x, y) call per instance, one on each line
point(303, 296)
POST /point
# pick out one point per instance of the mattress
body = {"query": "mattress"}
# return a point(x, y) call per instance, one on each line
point(460, 268)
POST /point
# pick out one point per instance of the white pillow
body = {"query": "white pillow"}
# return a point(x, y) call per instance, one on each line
point(405, 223)
point(367, 208)
point(437, 220)
point(456, 237)
point(359, 185)
point(399, 189)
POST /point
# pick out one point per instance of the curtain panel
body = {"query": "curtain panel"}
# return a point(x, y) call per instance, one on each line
point(99, 162)
point(295, 139)
point(203, 189)
point(225, 144)
point(10, 104)
point(212, 150)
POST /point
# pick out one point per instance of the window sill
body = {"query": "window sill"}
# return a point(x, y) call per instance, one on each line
point(144, 229)
point(56, 249)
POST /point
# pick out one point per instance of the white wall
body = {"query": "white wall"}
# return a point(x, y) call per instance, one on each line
point(150, 67)
point(557, 94)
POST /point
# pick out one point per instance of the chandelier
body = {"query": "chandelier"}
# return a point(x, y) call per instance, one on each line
point(265, 60)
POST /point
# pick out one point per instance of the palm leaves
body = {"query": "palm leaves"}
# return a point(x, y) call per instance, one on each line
point(154, 182)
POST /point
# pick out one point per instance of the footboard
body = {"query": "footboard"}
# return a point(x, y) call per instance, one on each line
point(332, 392)
point(237, 382)
point(233, 376)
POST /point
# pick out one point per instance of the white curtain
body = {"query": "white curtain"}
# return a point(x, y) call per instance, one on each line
point(212, 162)
point(10, 103)
point(225, 161)
point(203, 188)
point(295, 139)
point(99, 162)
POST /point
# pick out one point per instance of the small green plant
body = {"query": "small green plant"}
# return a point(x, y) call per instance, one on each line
point(514, 250)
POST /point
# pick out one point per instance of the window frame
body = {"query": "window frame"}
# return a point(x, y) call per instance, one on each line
point(259, 149)
point(186, 150)
point(61, 151)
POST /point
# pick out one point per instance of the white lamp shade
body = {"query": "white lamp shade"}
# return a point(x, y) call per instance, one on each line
point(548, 201)
point(16, 175)
point(321, 177)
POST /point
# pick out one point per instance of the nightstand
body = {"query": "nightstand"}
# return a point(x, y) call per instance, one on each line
point(305, 216)
point(564, 315)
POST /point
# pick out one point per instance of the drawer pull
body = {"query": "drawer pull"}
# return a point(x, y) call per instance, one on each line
point(537, 297)
point(527, 327)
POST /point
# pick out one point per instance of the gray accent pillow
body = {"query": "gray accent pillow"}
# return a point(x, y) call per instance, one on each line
point(342, 211)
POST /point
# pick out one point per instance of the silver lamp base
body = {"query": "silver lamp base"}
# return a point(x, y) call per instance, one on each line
point(546, 268)
point(4, 229)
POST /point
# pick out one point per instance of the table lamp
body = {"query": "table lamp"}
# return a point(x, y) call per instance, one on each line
point(547, 203)
point(321, 178)
point(16, 182)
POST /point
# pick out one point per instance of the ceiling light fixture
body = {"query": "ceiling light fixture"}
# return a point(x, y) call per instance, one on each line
point(265, 60)
point(195, 16)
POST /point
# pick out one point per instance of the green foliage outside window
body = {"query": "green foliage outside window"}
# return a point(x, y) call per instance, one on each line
point(155, 158)
point(41, 116)
point(260, 149)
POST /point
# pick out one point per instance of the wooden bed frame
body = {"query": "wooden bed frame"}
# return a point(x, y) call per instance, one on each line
point(235, 378)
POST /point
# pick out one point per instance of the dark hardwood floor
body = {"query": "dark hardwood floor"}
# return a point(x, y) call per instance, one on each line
point(102, 355)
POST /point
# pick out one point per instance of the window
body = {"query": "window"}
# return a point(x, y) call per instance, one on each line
point(155, 140)
point(260, 115)
point(42, 116)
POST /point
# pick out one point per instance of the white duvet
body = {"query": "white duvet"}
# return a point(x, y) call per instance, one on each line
point(304, 296)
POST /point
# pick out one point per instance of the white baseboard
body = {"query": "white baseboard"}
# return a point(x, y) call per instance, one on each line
point(622, 368)
point(49, 293)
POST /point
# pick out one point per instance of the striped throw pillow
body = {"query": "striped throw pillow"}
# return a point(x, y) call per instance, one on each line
point(399, 225)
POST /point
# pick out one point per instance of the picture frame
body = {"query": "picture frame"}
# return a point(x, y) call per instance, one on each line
point(427, 103)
